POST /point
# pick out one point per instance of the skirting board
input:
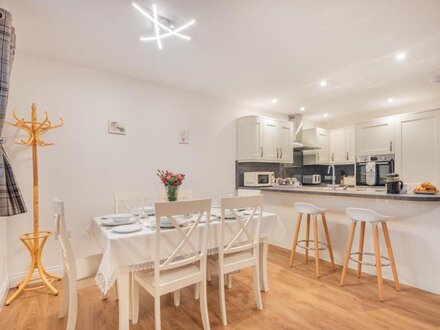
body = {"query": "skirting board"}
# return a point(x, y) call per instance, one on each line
point(15, 279)
point(3, 292)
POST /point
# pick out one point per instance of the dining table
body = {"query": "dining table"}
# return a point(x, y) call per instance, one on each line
point(125, 253)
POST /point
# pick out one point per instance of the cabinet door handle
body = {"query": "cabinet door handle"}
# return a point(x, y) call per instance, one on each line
point(261, 151)
point(333, 157)
point(391, 146)
point(278, 153)
point(318, 156)
point(281, 152)
point(348, 158)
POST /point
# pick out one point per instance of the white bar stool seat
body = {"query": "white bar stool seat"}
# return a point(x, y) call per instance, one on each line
point(369, 216)
point(311, 210)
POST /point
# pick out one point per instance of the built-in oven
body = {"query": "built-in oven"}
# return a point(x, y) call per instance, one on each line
point(378, 166)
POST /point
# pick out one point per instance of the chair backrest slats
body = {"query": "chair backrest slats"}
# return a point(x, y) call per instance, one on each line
point(186, 251)
point(62, 234)
point(247, 236)
point(126, 201)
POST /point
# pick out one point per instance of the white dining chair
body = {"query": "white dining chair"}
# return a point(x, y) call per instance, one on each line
point(241, 249)
point(185, 266)
point(182, 195)
point(78, 273)
point(126, 201)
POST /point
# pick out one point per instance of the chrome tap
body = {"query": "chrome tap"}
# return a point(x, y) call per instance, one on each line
point(332, 167)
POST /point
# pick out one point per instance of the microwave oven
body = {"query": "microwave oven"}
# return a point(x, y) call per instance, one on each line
point(258, 179)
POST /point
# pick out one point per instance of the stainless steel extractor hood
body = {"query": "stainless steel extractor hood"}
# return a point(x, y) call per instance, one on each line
point(298, 143)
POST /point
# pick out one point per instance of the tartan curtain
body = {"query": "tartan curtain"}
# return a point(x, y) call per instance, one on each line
point(11, 200)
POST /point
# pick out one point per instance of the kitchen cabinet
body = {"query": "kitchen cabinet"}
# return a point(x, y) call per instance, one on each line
point(375, 137)
point(342, 145)
point(261, 139)
point(417, 149)
point(318, 137)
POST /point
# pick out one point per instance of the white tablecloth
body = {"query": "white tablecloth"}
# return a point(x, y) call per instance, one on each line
point(135, 251)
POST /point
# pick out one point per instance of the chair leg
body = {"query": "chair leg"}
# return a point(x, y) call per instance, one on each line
point(157, 325)
point(196, 291)
point(176, 298)
point(204, 305)
point(295, 239)
point(221, 288)
point(73, 305)
point(315, 225)
point(209, 274)
point(348, 251)
point(257, 288)
point(134, 301)
point(115, 290)
point(378, 261)
point(327, 238)
point(229, 281)
point(361, 248)
point(307, 237)
point(386, 234)
point(65, 302)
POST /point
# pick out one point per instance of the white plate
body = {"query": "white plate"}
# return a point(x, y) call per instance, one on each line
point(118, 219)
point(425, 192)
point(127, 228)
point(166, 223)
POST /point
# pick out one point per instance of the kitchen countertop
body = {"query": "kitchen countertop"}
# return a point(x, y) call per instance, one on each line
point(361, 192)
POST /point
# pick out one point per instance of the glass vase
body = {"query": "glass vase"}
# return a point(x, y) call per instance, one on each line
point(172, 193)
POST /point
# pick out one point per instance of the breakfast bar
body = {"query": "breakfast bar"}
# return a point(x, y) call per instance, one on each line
point(414, 227)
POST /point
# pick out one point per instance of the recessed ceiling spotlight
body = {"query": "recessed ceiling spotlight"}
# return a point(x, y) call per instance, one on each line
point(325, 115)
point(274, 101)
point(390, 100)
point(400, 56)
point(302, 109)
point(323, 83)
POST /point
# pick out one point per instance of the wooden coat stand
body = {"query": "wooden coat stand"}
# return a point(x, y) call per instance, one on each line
point(35, 241)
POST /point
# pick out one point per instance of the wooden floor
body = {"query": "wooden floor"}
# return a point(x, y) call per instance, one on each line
point(296, 300)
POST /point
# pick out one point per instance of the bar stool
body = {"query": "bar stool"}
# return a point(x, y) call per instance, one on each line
point(311, 210)
point(363, 216)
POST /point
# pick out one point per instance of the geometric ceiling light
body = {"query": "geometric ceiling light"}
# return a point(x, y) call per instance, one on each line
point(158, 26)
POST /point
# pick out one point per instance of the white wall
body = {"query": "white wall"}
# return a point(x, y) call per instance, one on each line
point(86, 165)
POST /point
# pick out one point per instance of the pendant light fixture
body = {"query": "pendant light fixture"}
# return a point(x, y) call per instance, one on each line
point(161, 30)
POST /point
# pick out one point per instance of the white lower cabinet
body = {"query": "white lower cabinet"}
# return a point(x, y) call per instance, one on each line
point(418, 147)
point(261, 139)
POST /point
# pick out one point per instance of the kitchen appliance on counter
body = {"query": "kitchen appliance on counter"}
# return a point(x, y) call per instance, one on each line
point(259, 179)
point(373, 170)
point(311, 179)
point(394, 184)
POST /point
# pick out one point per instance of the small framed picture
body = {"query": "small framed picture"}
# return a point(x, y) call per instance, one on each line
point(116, 127)
point(183, 136)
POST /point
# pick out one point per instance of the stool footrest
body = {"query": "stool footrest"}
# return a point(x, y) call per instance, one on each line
point(323, 245)
point(368, 263)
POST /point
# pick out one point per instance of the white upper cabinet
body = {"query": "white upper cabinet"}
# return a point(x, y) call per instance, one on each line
point(318, 137)
point(418, 147)
point(285, 141)
point(342, 145)
point(270, 145)
point(375, 137)
point(250, 138)
point(264, 140)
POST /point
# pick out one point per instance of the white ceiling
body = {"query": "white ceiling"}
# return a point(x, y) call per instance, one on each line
point(252, 51)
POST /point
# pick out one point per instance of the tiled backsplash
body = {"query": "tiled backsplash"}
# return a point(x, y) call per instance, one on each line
point(286, 170)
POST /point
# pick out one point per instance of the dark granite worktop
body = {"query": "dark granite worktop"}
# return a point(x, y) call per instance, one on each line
point(352, 192)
